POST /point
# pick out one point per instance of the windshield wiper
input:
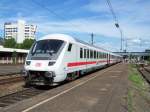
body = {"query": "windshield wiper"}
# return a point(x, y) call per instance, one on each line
point(51, 52)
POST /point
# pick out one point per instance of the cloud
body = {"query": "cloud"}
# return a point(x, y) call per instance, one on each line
point(133, 15)
point(94, 24)
point(79, 26)
point(84, 18)
point(109, 46)
point(97, 6)
point(138, 41)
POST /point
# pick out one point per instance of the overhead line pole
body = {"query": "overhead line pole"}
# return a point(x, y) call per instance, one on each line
point(116, 23)
point(121, 39)
point(92, 38)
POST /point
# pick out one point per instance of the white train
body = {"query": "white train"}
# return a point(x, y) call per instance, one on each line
point(58, 57)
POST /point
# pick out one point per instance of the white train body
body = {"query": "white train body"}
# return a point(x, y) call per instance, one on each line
point(58, 57)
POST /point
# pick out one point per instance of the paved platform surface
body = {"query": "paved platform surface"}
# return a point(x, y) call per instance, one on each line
point(103, 91)
point(8, 69)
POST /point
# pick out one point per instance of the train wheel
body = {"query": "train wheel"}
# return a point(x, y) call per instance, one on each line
point(72, 76)
point(27, 83)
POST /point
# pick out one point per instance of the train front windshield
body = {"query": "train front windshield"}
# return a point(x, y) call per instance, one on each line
point(46, 50)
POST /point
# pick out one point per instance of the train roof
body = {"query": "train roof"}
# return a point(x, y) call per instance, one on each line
point(73, 40)
point(59, 37)
point(82, 42)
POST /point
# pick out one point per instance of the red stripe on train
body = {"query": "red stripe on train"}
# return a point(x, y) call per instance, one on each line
point(80, 63)
point(72, 64)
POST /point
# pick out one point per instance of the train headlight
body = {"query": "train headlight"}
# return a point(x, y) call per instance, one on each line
point(51, 63)
point(49, 74)
point(28, 62)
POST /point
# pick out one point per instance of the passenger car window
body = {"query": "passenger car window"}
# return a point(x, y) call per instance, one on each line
point(88, 53)
point(91, 54)
point(85, 53)
point(94, 54)
point(81, 53)
point(97, 55)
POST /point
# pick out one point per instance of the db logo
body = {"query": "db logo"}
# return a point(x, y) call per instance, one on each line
point(38, 64)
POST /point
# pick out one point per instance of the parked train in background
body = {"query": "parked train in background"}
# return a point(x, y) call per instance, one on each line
point(58, 57)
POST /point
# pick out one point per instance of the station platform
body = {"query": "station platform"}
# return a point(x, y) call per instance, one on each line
point(102, 91)
point(10, 69)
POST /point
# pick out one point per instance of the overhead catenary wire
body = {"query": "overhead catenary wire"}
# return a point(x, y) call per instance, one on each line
point(116, 22)
point(48, 10)
point(55, 14)
point(112, 11)
point(60, 17)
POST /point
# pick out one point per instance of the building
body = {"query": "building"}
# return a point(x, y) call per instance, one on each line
point(7, 56)
point(19, 31)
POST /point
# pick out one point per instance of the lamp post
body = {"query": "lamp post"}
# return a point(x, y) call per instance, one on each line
point(117, 26)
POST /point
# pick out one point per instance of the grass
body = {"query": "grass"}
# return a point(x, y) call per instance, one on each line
point(137, 82)
point(136, 78)
point(129, 100)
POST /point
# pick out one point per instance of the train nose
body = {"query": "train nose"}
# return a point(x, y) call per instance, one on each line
point(50, 74)
point(44, 64)
point(51, 63)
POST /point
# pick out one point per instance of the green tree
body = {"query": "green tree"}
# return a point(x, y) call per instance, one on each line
point(27, 43)
point(18, 46)
point(10, 43)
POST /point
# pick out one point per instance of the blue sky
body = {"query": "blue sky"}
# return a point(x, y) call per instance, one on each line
point(80, 18)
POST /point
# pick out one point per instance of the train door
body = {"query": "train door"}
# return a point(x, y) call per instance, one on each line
point(85, 57)
point(108, 58)
point(77, 53)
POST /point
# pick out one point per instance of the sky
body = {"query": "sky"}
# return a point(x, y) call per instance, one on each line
point(80, 18)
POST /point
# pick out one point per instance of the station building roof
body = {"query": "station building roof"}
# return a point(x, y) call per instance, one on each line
point(12, 50)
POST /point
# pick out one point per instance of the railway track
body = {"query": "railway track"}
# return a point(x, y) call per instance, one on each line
point(145, 73)
point(9, 74)
point(13, 98)
point(19, 96)
point(9, 80)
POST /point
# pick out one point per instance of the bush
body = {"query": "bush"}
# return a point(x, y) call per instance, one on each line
point(27, 43)
point(11, 43)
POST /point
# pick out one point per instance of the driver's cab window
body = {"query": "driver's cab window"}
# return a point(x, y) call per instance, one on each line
point(69, 47)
